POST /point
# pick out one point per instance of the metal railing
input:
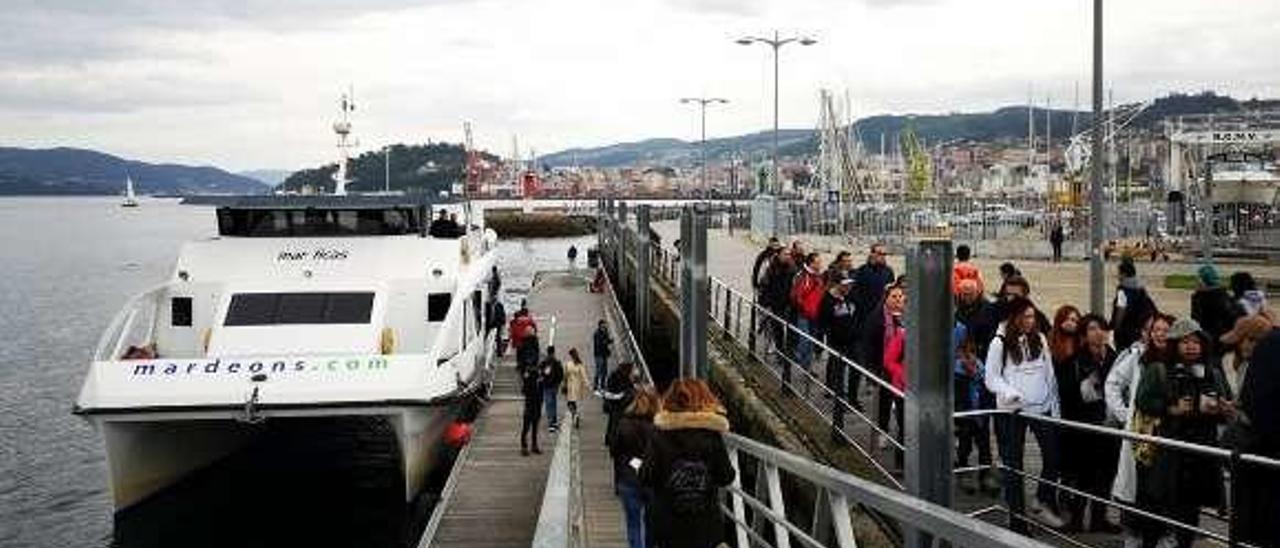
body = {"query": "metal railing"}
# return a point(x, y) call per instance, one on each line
point(765, 506)
point(730, 309)
point(777, 350)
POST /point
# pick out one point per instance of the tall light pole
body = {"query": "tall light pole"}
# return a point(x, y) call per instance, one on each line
point(776, 43)
point(386, 185)
point(702, 103)
point(1097, 275)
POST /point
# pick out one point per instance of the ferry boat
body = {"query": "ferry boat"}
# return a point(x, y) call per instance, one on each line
point(362, 312)
point(1240, 178)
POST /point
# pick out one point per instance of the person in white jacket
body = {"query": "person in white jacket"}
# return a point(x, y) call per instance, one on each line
point(1019, 373)
point(1119, 390)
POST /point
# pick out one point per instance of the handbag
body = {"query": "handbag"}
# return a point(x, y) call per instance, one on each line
point(1144, 452)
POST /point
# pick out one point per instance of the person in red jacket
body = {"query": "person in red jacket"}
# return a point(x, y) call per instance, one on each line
point(964, 270)
point(806, 299)
point(519, 325)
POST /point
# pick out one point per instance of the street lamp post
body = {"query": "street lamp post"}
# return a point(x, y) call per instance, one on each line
point(776, 43)
point(386, 185)
point(702, 103)
point(1097, 275)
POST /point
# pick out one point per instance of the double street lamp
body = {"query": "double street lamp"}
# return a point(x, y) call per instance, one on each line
point(702, 103)
point(776, 43)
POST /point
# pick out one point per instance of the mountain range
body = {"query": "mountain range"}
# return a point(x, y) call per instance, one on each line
point(72, 171)
point(1005, 124)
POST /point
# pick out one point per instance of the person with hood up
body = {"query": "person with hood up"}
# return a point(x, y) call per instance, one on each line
point(1131, 307)
point(1211, 305)
point(1019, 373)
point(685, 467)
point(1187, 398)
point(1249, 298)
point(759, 269)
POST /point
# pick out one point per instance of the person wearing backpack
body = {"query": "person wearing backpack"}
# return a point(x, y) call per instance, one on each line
point(1131, 307)
point(685, 467)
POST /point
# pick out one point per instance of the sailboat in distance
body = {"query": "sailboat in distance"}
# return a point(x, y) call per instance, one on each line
point(130, 200)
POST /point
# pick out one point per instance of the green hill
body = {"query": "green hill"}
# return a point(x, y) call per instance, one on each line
point(428, 168)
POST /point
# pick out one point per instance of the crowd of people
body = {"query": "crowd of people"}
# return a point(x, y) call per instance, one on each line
point(1139, 369)
point(669, 458)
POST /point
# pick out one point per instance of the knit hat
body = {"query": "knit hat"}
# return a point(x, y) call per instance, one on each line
point(1253, 326)
point(1183, 327)
point(1208, 275)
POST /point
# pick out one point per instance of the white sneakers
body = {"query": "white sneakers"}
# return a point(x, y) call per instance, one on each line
point(1044, 515)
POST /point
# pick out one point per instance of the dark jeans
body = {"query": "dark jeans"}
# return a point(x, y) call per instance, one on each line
point(837, 376)
point(1011, 434)
point(532, 416)
point(1057, 251)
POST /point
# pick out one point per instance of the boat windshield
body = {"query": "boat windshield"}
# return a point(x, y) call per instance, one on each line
point(283, 223)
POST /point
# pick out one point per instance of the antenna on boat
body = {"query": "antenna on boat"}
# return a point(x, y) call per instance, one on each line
point(343, 129)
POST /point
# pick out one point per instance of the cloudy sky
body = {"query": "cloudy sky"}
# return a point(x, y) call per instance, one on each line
point(247, 84)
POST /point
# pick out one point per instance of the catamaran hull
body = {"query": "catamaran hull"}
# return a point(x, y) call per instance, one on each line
point(150, 453)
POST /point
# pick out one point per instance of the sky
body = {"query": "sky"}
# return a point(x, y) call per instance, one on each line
point(255, 84)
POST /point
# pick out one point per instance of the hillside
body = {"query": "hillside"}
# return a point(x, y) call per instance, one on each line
point(70, 171)
point(269, 177)
point(431, 168)
point(1003, 124)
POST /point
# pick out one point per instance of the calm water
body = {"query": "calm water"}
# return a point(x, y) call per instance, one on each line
point(66, 266)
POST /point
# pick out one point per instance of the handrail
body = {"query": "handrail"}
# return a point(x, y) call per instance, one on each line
point(615, 307)
point(556, 519)
point(117, 330)
point(843, 489)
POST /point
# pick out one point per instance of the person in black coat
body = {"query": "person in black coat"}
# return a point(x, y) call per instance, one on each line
point(1259, 408)
point(531, 385)
point(869, 281)
point(627, 445)
point(837, 318)
point(619, 389)
point(686, 465)
point(776, 296)
point(1091, 466)
point(1212, 306)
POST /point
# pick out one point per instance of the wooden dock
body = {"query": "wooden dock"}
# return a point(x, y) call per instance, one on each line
point(497, 493)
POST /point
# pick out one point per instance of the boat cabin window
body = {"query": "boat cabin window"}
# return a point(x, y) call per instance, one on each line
point(180, 312)
point(438, 306)
point(280, 223)
point(299, 308)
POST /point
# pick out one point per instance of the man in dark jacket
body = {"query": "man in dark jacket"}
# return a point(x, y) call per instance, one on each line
point(776, 296)
point(528, 349)
point(1131, 308)
point(531, 386)
point(1212, 306)
point(602, 346)
point(869, 281)
point(620, 388)
point(552, 376)
point(837, 318)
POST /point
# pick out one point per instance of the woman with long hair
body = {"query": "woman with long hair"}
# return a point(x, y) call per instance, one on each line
point(629, 441)
point(1064, 338)
point(685, 466)
point(1093, 465)
point(1019, 373)
point(575, 384)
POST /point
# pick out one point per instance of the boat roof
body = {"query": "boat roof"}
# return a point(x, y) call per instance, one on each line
point(320, 201)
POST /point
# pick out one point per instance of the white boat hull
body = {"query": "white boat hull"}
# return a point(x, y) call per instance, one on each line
point(148, 454)
point(1247, 191)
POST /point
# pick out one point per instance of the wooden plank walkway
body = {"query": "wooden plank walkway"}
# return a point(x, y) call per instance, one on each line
point(498, 492)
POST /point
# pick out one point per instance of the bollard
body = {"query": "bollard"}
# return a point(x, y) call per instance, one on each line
point(930, 355)
point(693, 292)
point(641, 324)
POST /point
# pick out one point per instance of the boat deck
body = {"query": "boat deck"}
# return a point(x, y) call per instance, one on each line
point(497, 493)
